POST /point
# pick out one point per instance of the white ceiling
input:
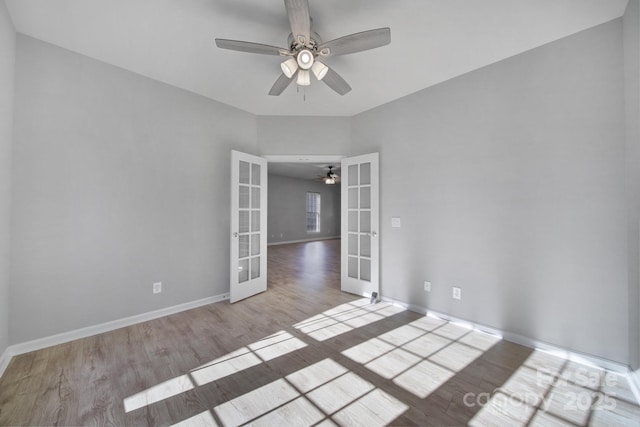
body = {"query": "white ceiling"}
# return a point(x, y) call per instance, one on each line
point(313, 171)
point(431, 41)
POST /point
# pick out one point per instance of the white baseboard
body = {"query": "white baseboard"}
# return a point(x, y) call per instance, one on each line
point(89, 331)
point(634, 381)
point(5, 358)
point(523, 340)
point(303, 240)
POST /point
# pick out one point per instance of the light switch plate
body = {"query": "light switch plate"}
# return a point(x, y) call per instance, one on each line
point(395, 222)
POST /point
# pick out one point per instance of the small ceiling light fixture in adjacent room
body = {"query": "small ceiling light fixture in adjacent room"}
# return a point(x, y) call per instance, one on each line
point(331, 177)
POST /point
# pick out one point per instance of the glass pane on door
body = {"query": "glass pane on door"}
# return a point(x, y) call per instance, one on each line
point(243, 246)
point(365, 222)
point(255, 197)
point(255, 267)
point(243, 270)
point(244, 197)
point(353, 267)
point(365, 269)
point(243, 221)
point(255, 244)
point(353, 175)
point(244, 172)
point(365, 198)
point(353, 244)
point(353, 222)
point(255, 174)
point(365, 173)
point(353, 198)
point(365, 245)
point(255, 220)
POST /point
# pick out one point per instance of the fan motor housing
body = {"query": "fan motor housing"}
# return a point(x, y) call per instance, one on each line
point(312, 44)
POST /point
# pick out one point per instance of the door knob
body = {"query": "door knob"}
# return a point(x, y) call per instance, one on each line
point(235, 234)
point(374, 234)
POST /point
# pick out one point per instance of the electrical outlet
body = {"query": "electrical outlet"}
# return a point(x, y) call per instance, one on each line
point(427, 286)
point(157, 287)
point(457, 293)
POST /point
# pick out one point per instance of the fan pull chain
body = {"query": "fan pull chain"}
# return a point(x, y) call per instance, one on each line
point(304, 93)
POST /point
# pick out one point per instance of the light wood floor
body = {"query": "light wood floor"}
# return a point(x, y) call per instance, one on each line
point(303, 353)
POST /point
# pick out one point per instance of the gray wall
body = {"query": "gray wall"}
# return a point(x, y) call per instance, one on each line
point(303, 135)
point(287, 219)
point(632, 98)
point(7, 58)
point(510, 183)
point(119, 181)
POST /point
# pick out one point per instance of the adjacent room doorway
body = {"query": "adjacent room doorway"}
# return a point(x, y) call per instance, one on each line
point(359, 222)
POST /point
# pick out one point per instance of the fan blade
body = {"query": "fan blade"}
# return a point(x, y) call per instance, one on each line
point(280, 85)
point(335, 82)
point(298, 12)
point(356, 42)
point(251, 47)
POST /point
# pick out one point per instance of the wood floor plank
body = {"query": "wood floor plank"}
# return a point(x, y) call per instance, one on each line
point(302, 353)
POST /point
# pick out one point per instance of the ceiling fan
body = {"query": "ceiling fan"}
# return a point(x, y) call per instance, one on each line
point(305, 49)
point(330, 178)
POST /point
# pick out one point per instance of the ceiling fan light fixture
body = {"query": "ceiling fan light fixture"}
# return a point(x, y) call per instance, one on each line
point(304, 47)
point(319, 70)
point(304, 79)
point(289, 67)
point(331, 177)
point(305, 59)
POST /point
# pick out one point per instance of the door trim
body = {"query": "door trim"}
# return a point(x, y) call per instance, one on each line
point(303, 158)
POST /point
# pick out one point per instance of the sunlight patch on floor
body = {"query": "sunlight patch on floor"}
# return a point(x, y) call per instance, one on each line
point(502, 410)
point(332, 322)
point(256, 403)
point(324, 392)
point(276, 345)
point(422, 355)
point(158, 392)
point(345, 317)
point(203, 419)
point(266, 349)
point(548, 390)
point(316, 375)
point(236, 361)
point(424, 378)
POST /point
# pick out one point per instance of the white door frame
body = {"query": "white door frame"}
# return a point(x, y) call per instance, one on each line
point(306, 158)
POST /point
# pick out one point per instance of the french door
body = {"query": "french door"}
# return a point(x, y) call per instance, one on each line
point(248, 225)
point(360, 221)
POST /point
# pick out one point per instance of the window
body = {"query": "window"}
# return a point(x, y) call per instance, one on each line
point(313, 212)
